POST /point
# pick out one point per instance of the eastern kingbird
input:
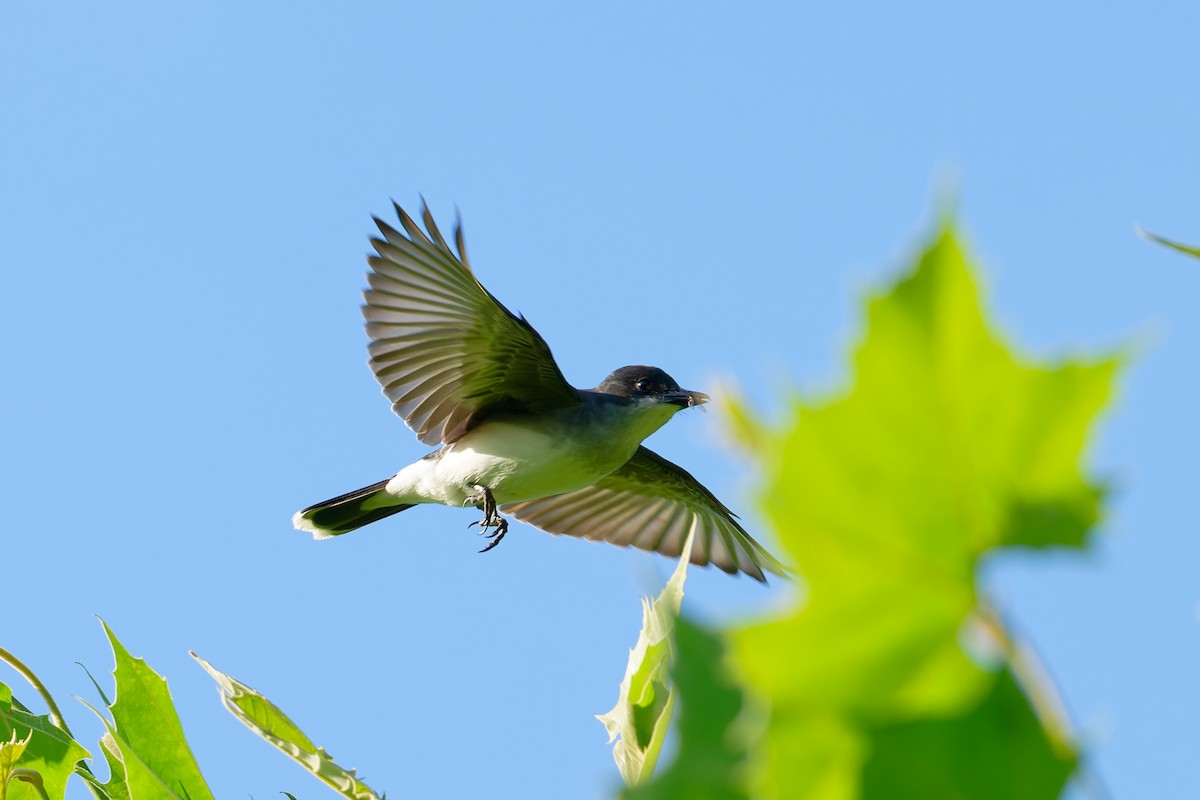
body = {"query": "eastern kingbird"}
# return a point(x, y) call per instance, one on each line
point(469, 376)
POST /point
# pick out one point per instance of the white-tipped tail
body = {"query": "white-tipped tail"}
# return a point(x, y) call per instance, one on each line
point(349, 511)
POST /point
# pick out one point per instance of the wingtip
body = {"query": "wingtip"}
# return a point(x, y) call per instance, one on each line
point(415, 234)
point(754, 560)
point(389, 235)
point(753, 570)
point(778, 569)
point(459, 240)
point(431, 227)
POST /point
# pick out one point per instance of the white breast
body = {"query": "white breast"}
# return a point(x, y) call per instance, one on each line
point(517, 463)
point(520, 462)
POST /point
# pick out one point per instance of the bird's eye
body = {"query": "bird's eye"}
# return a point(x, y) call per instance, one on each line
point(644, 385)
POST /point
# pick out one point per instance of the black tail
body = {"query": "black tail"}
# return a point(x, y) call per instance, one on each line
point(349, 511)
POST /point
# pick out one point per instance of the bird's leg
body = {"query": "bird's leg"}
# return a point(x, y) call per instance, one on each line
point(491, 518)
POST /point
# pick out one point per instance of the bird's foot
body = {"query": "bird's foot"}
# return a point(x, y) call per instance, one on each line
point(496, 535)
point(491, 519)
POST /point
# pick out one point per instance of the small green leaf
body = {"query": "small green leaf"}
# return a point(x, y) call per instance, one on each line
point(1186, 249)
point(645, 702)
point(116, 787)
point(264, 718)
point(715, 732)
point(742, 426)
point(49, 753)
point(147, 731)
point(10, 754)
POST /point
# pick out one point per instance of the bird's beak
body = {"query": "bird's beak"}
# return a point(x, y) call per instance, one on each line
point(686, 399)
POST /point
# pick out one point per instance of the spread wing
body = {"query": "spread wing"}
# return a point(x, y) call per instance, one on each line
point(651, 503)
point(445, 350)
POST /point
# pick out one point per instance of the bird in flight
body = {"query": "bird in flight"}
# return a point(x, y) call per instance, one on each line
point(512, 436)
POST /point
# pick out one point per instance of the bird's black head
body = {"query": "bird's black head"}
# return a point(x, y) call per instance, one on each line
point(651, 383)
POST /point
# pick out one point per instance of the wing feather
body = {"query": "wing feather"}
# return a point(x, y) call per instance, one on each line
point(651, 504)
point(443, 349)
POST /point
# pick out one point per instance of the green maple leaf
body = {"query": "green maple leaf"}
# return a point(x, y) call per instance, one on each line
point(886, 497)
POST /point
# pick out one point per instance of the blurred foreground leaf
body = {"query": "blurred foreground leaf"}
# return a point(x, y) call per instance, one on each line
point(998, 750)
point(264, 718)
point(886, 497)
point(1186, 249)
point(643, 710)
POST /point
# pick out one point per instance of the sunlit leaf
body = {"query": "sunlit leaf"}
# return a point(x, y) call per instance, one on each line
point(714, 727)
point(639, 720)
point(136, 778)
point(117, 786)
point(147, 732)
point(49, 752)
point(264, 718)
point(10, 754)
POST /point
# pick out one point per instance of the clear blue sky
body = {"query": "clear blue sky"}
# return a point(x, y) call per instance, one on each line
point(184, 208)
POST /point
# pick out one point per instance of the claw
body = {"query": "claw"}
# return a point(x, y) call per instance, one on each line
point(496, 535)
point(491, 519)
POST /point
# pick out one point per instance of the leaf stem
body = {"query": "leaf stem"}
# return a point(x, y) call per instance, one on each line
point(26, 673)
point(1034, 677)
